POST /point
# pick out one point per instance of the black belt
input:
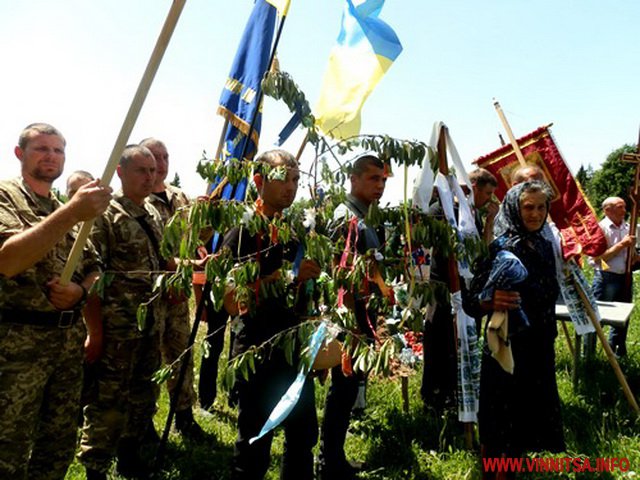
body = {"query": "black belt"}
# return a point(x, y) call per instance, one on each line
point(61, 319)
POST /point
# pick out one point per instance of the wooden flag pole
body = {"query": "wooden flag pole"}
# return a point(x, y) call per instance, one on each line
point(127, 127)
point(607, 348)
point(592, 315)
point(217, 190)
point(507, 128)
point(222, 136)
point(302, 146)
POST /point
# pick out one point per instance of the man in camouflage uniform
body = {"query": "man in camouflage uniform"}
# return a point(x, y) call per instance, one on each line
point(127, 351)
point(41, 336)
point(174, 335)
point(76, 180)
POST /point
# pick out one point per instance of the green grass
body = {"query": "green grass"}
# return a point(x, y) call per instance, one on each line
point(598, 422)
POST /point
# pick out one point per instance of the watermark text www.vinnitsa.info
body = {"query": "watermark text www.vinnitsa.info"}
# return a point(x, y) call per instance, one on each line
point(556, 464)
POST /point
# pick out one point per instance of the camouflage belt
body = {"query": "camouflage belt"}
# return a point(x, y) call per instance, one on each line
point(62, 319)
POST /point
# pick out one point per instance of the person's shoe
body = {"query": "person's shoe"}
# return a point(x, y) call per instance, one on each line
point(187, 426)
point(347, 471)
point(95, 474)
point(130, 463)
point(151, 436)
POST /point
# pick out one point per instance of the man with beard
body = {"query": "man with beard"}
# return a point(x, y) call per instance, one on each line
point(41, 337)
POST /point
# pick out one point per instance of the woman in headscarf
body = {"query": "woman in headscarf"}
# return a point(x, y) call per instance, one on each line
point(520, 411)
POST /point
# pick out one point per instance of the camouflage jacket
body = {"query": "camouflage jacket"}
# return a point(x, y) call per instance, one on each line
point(176, 199)
point(132, 264)
point(20, 209)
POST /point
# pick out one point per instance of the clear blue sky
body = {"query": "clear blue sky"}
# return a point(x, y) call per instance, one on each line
point(77, 63)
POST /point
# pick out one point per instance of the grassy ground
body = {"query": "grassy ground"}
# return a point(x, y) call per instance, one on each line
point(598, 422)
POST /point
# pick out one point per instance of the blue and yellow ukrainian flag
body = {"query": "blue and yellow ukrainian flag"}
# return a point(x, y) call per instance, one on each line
point(365, 49)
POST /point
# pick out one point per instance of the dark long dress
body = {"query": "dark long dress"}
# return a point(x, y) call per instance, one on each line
point(521, 412)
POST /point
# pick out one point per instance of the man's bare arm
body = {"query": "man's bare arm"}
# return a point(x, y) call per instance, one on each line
point(616, 248)
point(25, 249)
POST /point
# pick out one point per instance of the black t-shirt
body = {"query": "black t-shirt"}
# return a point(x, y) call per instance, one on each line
point(271, 314)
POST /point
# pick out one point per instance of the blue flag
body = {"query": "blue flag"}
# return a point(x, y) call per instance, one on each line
point(240, 97)
point(240, 100)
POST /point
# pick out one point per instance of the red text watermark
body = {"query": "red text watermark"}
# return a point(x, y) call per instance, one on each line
point(559, 464)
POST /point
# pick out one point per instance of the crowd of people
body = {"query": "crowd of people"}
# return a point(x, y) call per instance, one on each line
point(67, 347)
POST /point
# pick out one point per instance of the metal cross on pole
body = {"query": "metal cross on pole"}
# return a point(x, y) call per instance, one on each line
point(634, 196)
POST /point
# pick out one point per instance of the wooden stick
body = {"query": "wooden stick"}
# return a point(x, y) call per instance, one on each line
point(565, 329)
point(218, 188)
point(302, 146)
point(127, 127)
point(404, 385)
point(607, 348)
point(512, 139)
point(223, 134)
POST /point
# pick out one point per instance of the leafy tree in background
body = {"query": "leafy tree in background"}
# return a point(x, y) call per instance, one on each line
point(584, 176)
point(176, 180)
point(613, 179)
point(59, 195)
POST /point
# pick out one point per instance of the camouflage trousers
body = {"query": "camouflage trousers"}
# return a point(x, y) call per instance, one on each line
point(40, 383)
point(122, 402)
point(175, 331)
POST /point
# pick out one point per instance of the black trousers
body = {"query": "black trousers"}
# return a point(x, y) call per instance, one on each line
point(208, 383)
point(339, 402)
point(256, 399)
point(440, 369)
point(337, 413)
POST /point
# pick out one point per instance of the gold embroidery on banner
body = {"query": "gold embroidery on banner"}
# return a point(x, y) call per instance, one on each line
point(576, 238)
point(509, 152)
point(532, 158)
point(248, 95)
point(584, 224)
point(234, 86)
point(239, 123)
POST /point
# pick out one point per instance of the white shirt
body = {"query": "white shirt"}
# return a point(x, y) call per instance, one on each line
point(614, 234)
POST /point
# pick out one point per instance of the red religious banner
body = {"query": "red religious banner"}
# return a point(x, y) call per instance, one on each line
point(570, 210)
